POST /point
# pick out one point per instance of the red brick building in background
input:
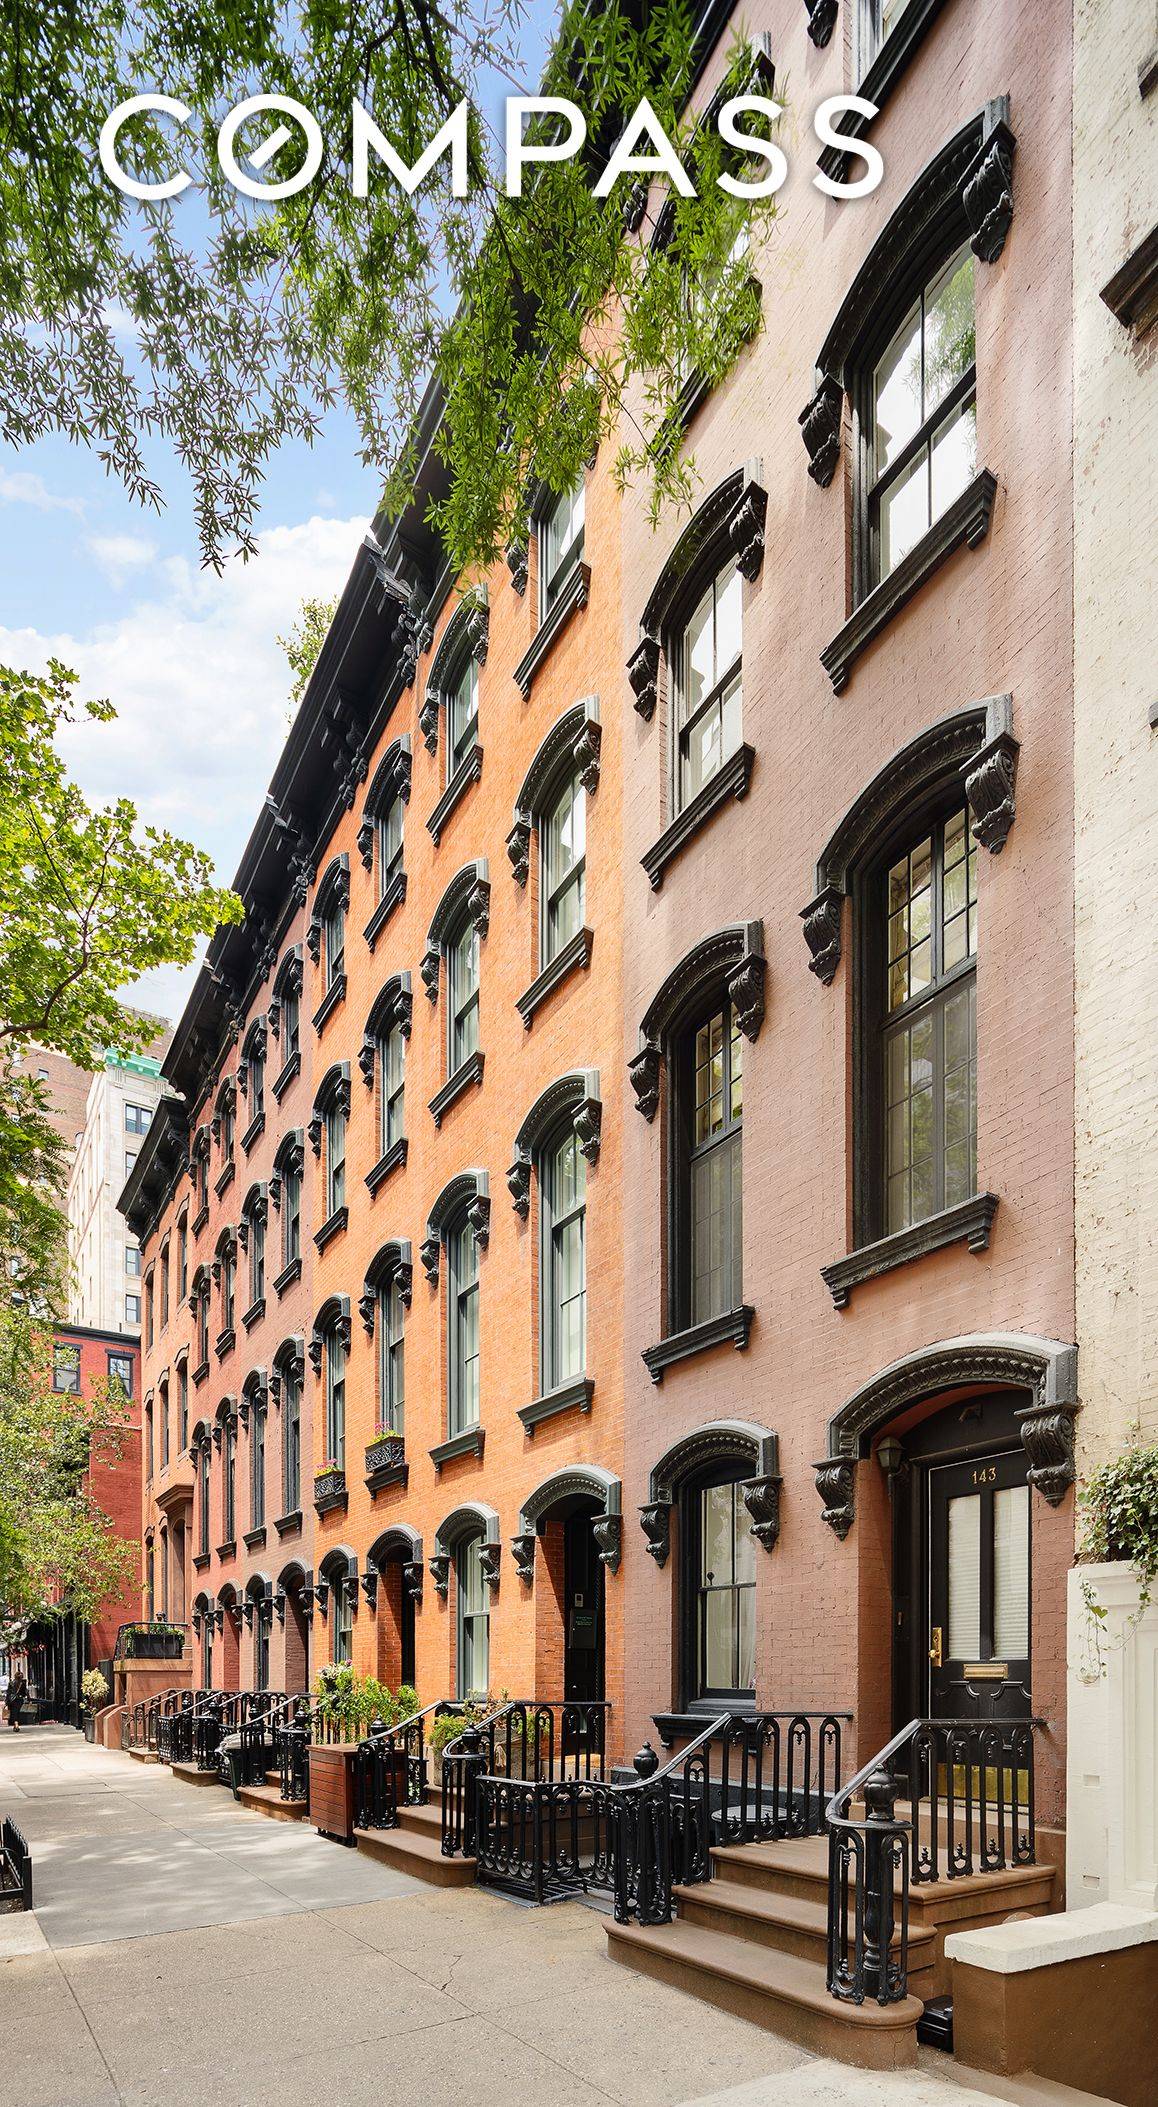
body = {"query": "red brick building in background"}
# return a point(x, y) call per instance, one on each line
point(760, 827)
point(58, 1651)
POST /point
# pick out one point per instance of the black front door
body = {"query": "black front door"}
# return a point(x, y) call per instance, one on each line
point(980, 1592)
point(583, 1610)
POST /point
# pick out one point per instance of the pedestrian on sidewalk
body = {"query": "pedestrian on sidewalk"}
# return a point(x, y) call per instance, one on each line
point(17, 1692)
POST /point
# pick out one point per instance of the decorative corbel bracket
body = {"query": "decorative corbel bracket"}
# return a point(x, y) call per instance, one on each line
point(523, 1553)
point(440, 1573)
point(655, 1521)
point(607, 1529)
point(835, 1482)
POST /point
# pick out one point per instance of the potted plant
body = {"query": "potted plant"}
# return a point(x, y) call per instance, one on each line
point(1120, 1503)
point(94, 1693)
point(329, 1484)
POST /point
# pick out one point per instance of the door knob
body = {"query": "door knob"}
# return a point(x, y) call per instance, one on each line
point(935, 1646)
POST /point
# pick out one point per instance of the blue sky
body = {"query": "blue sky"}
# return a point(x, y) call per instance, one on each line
point(190, 660)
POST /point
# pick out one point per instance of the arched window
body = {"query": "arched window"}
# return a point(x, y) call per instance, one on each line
point(462, 1341)
point(708, 1005)
point(183, 1256)
point(722, 1483)
point(329, 1347)
point(227, 1420)
point(384, 1303)
point(183, 1400)
point(907, 852)
point(339, 1572)
point(551, 812)
point(452, 692)
point(459, 1223)
point(383, 1065)
point(452, 956)
point(563, 1260)
point(721, 1576)
point(556, 1142)
point(262, 1610)
point(285, 1020)
point(472, 1602)
point(328, 1140)
point(381, 834)
point(225, 1122)
point(688, 664)
point(204, 1465)
point(288, 1374)
point(251, 1080)
point(902, 350)
point(327, 930)
point(199, 1297)
point(255, 1396)
point(285, 1190)
point(225, 1268)
point(560, 537)
point(252, 1233)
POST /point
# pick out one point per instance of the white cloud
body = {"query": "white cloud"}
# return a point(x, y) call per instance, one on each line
point(19, 486)
point(119, 555)
point(201, 690)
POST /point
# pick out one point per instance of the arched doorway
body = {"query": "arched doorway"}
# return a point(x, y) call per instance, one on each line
point(395, 1556)
point(229, 1612)
point(296, 1672)
point(571, 1531)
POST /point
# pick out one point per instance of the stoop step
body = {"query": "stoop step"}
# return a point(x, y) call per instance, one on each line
point(416, 1847)
point(267, 1799)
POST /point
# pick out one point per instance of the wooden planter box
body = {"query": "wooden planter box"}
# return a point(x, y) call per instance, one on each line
point(332, 1789)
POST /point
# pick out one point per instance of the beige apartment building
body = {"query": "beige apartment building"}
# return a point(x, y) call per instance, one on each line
point(107, 1290)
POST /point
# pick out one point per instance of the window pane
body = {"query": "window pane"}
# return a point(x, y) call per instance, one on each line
point(949, 333)
point(729, 619)
point(716, 1534)
point(897, 391)
point(1011, 1572)
point(904, 513)
point(719, 1604)
point(954, 456)
point(697, 658)
point(715, 1227)
point(965, 1578)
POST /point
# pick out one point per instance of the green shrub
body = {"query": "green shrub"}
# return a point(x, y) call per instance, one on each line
point(1120, 1504)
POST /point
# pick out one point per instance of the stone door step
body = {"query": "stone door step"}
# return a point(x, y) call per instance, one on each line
point(190, 1775)
point(781, 1991)
point(789, 1923)
point(267, 1799)
point(412, 1850)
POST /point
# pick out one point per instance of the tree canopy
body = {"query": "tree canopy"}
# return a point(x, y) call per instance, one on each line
point(226, 326)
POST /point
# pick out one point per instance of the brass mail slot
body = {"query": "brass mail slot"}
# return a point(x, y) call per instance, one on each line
point(986, 1671)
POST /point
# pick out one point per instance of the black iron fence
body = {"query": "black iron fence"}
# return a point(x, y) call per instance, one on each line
point(15, 1866)
point(390, 1768)
point(561, 1826)
point(970, 1809)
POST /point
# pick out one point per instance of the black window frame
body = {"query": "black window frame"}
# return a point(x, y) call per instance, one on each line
point(291, 1438)
point(692, 1697)
point(706, 577)
point(873, 1022)
point(257, 1445)
point(391, 1356)
point(460, 1237)
point(684, 1152)
point(115, 1374)
point(946, 238)
point(463, 925)
point(551, 1222)
point(550, 586)
point(391, 1106)
point(566, 778)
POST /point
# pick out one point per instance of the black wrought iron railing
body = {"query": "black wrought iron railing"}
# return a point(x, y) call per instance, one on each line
point(970, 1810)
point(140, 1722)
point(291, 1741)
point(15, 1866)
point(390, 1768)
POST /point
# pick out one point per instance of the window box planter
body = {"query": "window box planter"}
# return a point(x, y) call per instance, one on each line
point(386, 1462)
point(145, 1642)
point(332, 1789)
point(330, 1490)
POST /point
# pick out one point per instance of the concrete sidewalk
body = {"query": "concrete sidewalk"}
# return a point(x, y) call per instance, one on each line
point(184, 1950)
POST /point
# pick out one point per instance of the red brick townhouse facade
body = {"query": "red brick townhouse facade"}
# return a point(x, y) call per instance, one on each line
point(614, 1235)
point(90, 1363)
point(849, 1318)
point(387, 1190)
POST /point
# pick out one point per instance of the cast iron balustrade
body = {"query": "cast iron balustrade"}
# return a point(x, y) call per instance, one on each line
point(390, 1767)
point(173, 1710)
point(139, 1723)
point(557, 1826)
point(15, 1866)
point(182, 1726)
point(291, 1742)
point(970, 1810)
point(477, 1751)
